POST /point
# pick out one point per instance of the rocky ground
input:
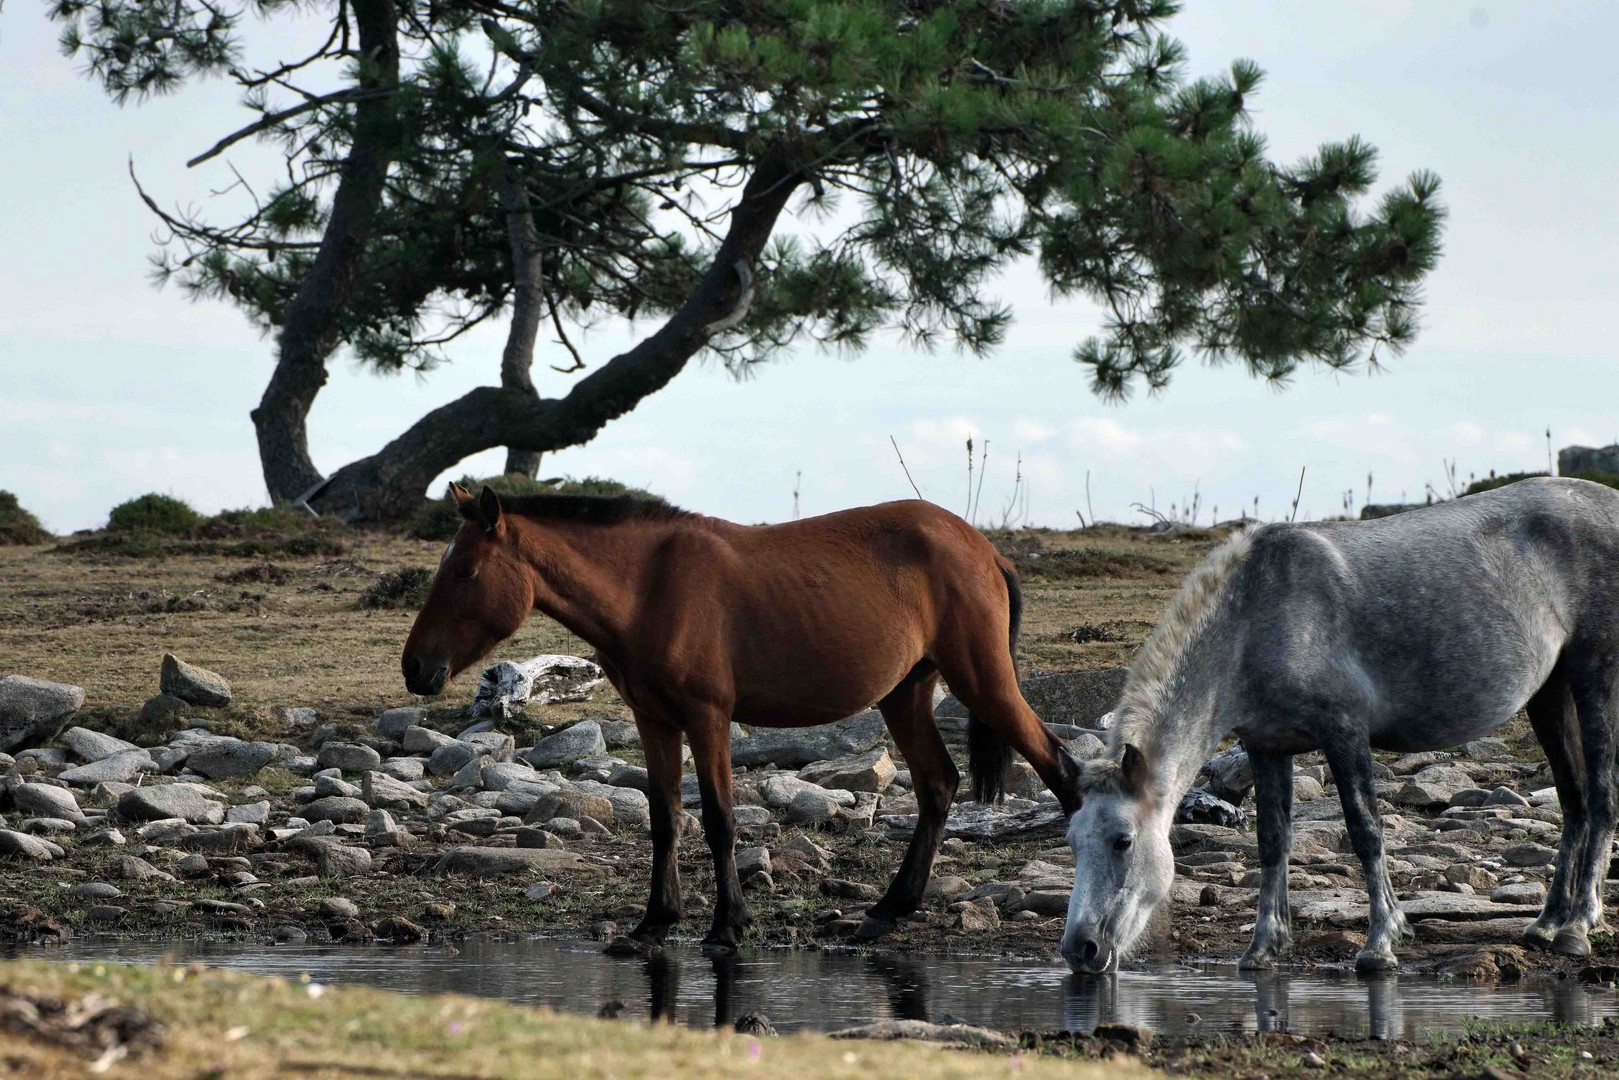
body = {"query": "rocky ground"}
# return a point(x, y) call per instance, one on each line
point(421, 825)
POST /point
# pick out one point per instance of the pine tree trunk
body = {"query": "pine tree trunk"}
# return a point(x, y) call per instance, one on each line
point(308, 333)
point(392, 482)
point(528, 298)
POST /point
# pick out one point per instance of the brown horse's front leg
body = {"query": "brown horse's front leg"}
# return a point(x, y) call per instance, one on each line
point(709, 731)
point(661, 743)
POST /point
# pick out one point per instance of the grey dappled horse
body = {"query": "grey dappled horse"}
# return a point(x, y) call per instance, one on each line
point(1412, 632)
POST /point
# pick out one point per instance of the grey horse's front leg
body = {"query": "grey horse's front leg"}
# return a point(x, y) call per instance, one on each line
point(1351, 764)
point(1273, 801)
point(1597, 744)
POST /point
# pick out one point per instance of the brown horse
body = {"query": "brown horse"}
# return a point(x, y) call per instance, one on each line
point(699, 622)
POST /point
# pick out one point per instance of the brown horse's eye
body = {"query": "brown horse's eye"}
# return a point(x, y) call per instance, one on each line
point(466, 573)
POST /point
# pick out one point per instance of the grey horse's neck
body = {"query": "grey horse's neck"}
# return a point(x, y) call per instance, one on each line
point(1168, 709)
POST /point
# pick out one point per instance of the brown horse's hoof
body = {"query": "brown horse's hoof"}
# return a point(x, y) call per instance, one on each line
point(624, 945)
point(871, 929)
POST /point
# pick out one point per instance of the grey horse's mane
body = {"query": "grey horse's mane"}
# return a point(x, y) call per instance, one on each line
point(1156, 669)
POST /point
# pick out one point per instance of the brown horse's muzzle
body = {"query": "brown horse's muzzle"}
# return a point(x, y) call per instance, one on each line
point(424, 677)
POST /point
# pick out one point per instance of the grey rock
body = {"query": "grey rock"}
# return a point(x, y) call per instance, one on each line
point(19, 845)
point(236, 836)
point(47, 826)
point(792, 748)
point(566, 828)
point(349, 757)
point(337, 809)
point(46, 800)
point(335, 785)
point(1085, 746)
point(485, 862)
point(630, 776)
point(540, 889)
point(335, 860)
point(393, 723)
point(380, 789)
point(1200, 807)
point(1524, 892)
point(338, 907)
point(500, 775)
point(620, 734)
point(871, 770)
point(1228, 775)
point(255, 813)
point(497, 744)
point(751, 815)
point(168, 759)
point(1488, 749)
point(570, 804)
point(506, 687)
point(1528, 855)
point(1505, 796)
point(812, 806)
point(225, 758)
point(135, 868)
point(630, 807)
point(780, 789)
point(96, 890)
point(32, 711)
point(404, 768)
point(90, 746)
point(120, 768)
point(108, 837)
point(423, 740)
point(1433, 786)
point(191, 803)
point(581, 740)
point(451, 757)
point(752, 860)
point(195, 685)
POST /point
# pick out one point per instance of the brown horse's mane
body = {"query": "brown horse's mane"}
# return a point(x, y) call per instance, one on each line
point(584, 509)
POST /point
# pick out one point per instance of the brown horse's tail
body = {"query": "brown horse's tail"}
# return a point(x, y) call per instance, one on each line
point(989, 755)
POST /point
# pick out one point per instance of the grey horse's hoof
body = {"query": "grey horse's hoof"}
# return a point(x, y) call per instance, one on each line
point(1571, 941)
point(871, 929)
point(1536, 936)
point(624, 945)
point(1371, 963)
point(1257, 960)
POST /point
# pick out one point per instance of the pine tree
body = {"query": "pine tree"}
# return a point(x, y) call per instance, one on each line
point(575, 160)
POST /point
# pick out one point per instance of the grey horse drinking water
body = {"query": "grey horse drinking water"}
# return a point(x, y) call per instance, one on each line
point(1413, 632)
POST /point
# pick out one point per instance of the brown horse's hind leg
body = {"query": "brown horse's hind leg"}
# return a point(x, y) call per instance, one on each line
point(661, 743)
point(709, 732)
point(934, 777)
point(982, 677)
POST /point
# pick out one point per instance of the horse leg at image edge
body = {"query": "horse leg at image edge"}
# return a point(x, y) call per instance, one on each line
point(1273, 800)
point(710, 737)
point(1593, 700)
point(661, 744)
point(1556, 724)
point(909, 713)
point(1351, 762)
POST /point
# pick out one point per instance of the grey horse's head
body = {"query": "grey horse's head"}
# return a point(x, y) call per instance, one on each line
point(1123, 866)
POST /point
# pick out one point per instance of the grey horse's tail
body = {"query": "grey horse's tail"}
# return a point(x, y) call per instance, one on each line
point(989, 755)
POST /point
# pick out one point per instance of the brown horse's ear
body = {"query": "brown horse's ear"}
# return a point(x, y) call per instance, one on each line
point(1134, 768)
point(459, 493)
point(489, 509)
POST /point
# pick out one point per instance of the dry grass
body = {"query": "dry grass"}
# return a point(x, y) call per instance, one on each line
point(294, 631)
point(219, 1024)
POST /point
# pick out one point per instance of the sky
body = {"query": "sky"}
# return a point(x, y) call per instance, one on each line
point(110, 388)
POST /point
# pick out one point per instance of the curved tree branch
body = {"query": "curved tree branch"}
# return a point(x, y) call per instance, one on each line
point(392, 482)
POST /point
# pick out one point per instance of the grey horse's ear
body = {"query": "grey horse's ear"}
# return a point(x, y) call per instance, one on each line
point(1133, 768)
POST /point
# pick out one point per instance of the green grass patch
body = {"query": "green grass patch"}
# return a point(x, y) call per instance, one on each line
point(403, 588)
point(17, 525)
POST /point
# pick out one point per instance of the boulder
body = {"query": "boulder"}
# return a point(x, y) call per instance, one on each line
point(620, 734)
point(378, 789)
point(485, 862)
point(32, 711)
point(1489, 750)
point(336, 860)
point(349, 757)
point(871, 770)
point(337, 809)
point(222, 758)
point(46, 800)
point(163, 709)
point(135, 868)
point(630, 807)
point(326, 784)
point(630, 776)
point(254, 813)
point(1200, 807)
point(453, 756)
point(423, 740)
point(1433, 786)
point(506, 687)
point(570, 744)
point(393, 723)
point(192, 803)
point(500, 775)
point(18, 845)
point(792, 748)
point(194, 685)
point(120, 768)
point(568, 803)
point(811, 806)
point(88, 746)
point(781, 789)
point(1228, 775)
point(404, 768)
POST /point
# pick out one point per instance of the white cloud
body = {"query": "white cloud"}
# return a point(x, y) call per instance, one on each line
point(1026, 430)
point(1110, 435)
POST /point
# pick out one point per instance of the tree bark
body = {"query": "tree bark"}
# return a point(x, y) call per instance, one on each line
point(392, 482)
point(309, 331)
point(528, 266)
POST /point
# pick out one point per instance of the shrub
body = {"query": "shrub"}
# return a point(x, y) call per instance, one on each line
point(18, 526)
point(438, 519)
point(406, 588)
point(152, 513)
